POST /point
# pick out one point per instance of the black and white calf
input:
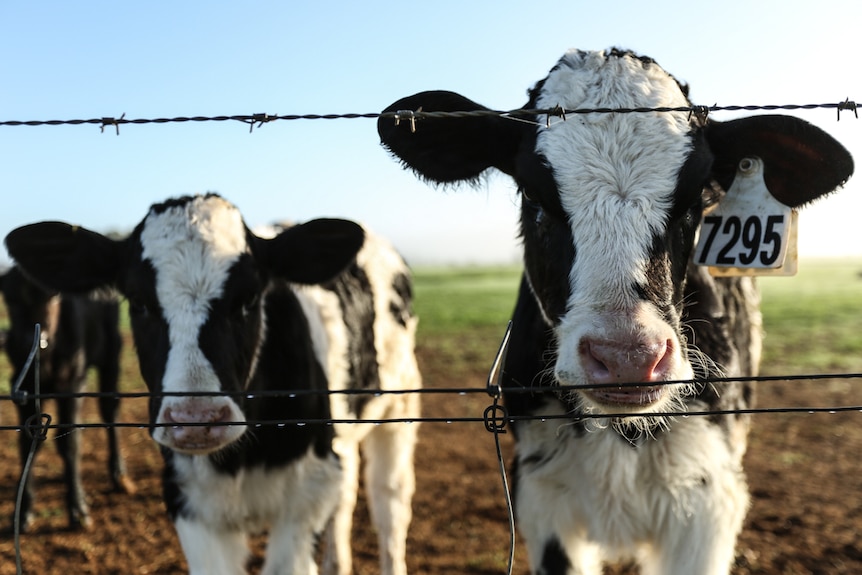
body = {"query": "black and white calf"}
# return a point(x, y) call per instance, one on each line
point(218, 314)
point(610, 208)
point(77, 333)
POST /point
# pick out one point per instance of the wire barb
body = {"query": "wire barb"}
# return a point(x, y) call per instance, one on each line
point(113, 122)
point(847, 104)
point(260, 120)
point(408, 115)
point(700, 113)
point(558, 112)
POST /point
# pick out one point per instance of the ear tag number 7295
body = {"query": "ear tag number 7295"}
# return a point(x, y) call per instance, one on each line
point(749, 232)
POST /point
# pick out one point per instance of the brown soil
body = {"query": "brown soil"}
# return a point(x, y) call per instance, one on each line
point(804, 470)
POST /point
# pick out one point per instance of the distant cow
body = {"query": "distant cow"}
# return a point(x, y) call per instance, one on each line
point(77, 333)
point(610, 209)
point(219, 314)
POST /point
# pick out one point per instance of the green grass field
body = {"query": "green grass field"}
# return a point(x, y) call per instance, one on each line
point(813, 321)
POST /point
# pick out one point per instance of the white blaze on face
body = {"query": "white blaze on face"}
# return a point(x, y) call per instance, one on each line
point(192, 247)
point(616, 175)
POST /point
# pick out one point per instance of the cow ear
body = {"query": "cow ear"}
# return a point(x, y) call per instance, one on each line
point(801, 161)
point(65, 258)
point(447, 150)
point(313, 252)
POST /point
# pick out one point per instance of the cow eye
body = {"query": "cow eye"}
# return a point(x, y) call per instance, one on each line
point(138, 308)
point(245, 306)
point(535, 208)
point(530, 203)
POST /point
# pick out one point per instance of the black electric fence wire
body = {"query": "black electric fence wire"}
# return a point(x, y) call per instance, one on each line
point(495, 416)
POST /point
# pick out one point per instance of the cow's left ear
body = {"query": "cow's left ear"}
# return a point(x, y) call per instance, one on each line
point(64, 257)
point(451, 149)
point(801, 161)
point(313, 252)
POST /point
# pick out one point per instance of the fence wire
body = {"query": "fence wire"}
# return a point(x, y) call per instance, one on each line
point(259, 119)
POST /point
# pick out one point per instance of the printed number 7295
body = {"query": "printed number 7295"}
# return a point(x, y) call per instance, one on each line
point(753, 234)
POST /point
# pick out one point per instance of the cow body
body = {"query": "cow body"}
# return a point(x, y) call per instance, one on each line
point(77, 333)
point(222, 314)
point(611, 305)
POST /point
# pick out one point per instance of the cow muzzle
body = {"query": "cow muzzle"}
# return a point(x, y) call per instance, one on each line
point(199, 425)
point(613, 366)
point(623, 365)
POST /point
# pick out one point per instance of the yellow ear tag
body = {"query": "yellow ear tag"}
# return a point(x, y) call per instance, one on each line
point(749, 232)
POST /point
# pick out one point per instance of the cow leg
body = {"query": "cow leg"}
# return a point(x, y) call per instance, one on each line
point(212, 552)
point(551, 553)
point(68, 445)
point(338, 559)
point(390, 483)
point(556, 543)
point(293, 537)
point(109, 407)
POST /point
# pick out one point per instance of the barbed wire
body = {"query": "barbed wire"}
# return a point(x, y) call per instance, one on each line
point(259, 119)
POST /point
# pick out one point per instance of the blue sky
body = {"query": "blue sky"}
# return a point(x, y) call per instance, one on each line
point(66, 60)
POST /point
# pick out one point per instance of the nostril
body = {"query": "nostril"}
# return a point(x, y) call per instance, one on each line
point(665, 361)
point(592, 361)
point(626, 361)
point(223, 415)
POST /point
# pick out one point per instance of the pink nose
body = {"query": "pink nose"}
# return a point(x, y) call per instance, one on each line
point(607, 361)
point(194, 428)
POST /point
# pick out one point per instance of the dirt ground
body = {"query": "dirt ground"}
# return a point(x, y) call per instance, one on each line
point(804, 470)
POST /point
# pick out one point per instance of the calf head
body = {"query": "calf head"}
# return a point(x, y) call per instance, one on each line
point(610, 206)
point(195, 278)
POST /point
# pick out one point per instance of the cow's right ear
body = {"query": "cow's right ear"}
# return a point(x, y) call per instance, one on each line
point(801, 162)
point(448, 150)
point(313, 252)
point(65, 258)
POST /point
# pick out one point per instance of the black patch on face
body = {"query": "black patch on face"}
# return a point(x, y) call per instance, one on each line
point(670, 253)
point(286, 361)
point(231, 335)
point(549, 251)
point(149, 328)
point(549, 255)
point(529, 361)
point(357, 307)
